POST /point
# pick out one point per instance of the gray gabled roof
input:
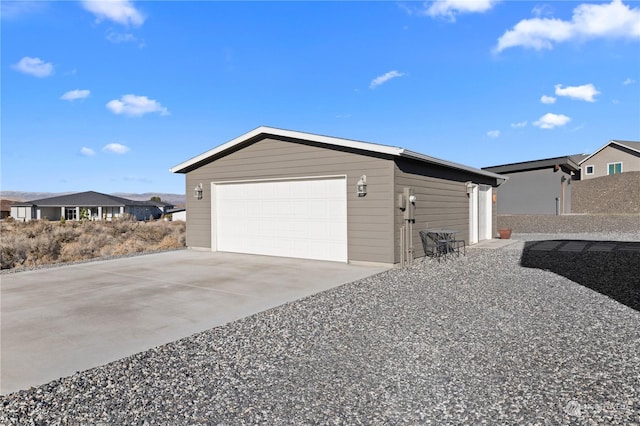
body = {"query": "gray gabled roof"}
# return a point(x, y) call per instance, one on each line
point(264, 131)
point(85, 199)
point(632, 145)
point(570, 162)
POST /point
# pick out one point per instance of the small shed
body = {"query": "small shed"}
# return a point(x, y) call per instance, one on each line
point(293, 194)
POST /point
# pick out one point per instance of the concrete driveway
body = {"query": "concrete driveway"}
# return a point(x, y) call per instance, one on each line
point(61, 320)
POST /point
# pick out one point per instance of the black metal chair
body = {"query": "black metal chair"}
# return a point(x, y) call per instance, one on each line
point(456, 244)
point(436, 246)
point(430, 247)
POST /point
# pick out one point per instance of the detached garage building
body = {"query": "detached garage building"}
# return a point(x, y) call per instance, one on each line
point(286, 193)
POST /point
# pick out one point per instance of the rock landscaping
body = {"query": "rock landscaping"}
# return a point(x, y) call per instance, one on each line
point(472, 340)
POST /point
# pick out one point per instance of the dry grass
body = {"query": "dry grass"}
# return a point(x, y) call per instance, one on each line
point(41, 242)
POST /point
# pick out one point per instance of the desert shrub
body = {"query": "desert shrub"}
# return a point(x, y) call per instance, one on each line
point(169, 242)
point(13, 251)
point(152, 231)
point(34, 243)
point(75, 251)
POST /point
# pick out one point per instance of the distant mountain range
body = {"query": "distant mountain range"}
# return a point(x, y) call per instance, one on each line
point(176, 199)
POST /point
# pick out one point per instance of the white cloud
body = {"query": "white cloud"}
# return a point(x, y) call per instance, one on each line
point(628, 81)
point(542, 10)
point(493, 133)
point(450, 8)
point(384, 78)
point(135, 106)
point(73, 95)
point(34, 66)
point(547, 99)
point(550, 120)
point(610, 20)
point(118, 11)
point(116, 148)
point(586, 92)
point(519, 124)
point(16, 9)
point(117, 38)
point(87, 152)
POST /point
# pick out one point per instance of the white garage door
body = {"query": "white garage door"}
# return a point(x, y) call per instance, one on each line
point(302, 218)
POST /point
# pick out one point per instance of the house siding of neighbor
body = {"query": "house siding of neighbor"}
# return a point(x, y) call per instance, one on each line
point(238, 174)
point(537, 187)
point(89, 205)
point(613, 158)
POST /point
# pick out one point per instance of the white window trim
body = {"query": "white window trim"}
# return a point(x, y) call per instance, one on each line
point(616, 162)
point(593, 170)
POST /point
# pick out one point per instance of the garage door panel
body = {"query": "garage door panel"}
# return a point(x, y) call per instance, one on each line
point(303, 218)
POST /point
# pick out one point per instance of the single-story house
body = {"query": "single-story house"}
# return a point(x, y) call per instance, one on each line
point(613, 158)
point(87, 205)
point(539, 186)
point(293, 194)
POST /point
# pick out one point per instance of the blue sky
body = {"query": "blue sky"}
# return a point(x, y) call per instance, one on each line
point(107, 96)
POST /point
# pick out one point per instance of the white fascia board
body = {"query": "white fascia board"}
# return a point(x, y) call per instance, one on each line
point(611, 142)
point(603, 147)
point(347, 143)
point(623, 144)
point(329, 140)
point(365, 146)
point(214, 151)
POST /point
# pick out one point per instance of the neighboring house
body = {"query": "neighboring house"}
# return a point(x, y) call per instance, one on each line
point(87, 205)
point(287, 193)
point(162, 206)
point(537, 187)
point(178, 214)
point(613, 158)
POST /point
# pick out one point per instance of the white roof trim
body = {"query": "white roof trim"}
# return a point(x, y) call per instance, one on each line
point(611, 142)
point(347, 143)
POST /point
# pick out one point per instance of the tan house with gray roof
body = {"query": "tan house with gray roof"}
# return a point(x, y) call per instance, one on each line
point(613, 158)
point(88, 205)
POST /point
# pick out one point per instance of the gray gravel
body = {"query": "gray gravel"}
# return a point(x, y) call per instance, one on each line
point(474, 340)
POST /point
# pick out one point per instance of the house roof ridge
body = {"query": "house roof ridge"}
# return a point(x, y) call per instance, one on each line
point(562, 157)
point(617, 142)
point(394, 151)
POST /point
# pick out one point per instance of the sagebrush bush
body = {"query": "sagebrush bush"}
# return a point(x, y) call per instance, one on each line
point(41, 242)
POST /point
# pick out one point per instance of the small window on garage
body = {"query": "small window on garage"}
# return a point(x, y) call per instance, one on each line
point(588, 170)
point(22, 212)
point(614, 168)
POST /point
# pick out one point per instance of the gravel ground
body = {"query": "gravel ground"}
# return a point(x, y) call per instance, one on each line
point(474, 340)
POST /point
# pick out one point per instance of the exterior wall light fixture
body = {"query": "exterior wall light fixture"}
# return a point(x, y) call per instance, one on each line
point(362, 186)
point(469, 186)
point(197, 192)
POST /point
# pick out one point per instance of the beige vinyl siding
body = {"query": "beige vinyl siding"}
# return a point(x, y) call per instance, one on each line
point(369, 219)
point(611, 154)
point(440, 203)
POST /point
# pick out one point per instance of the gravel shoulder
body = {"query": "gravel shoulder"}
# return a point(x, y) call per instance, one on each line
point(475, 340)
